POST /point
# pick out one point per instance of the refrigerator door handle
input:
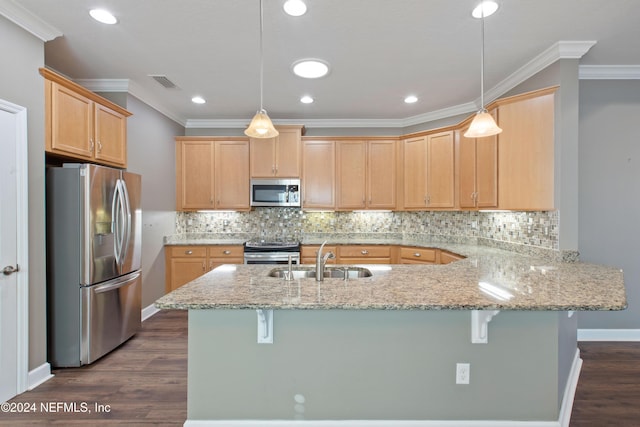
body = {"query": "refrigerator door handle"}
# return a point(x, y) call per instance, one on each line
point(111, 285)
point(127, 220)
point(116, 221)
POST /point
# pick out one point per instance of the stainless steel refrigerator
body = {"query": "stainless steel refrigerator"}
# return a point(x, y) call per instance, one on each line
point(94, 283)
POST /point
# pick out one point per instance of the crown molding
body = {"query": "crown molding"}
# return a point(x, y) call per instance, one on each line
point(28, 21)
point(104, 85)
point(559, 50)
point(609, 72)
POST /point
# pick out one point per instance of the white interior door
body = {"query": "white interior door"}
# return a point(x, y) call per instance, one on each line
point(13, 284)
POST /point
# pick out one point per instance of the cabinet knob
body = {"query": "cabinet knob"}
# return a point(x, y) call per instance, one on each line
point(417, 254)
point(204, 266)
point(189, 252)
point(99, 147)
point(226, 252)
point(91, 144)
point(364, 252)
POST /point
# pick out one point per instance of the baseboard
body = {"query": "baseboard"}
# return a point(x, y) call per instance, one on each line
point(367, 423)
point(608, 334)
point(39, 375)
point(149, 311)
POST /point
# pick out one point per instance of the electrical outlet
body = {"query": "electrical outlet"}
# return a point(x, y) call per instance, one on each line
point(463, 372)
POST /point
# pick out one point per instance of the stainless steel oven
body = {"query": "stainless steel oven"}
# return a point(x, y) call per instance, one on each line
point(271, 252)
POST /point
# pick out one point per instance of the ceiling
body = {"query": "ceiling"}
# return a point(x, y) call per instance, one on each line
point(379, 51)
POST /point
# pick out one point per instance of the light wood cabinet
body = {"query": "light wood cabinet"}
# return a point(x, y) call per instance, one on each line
point(309, 253)
point(80, 124)
point(429, 171)
point(366, 174)
point(186, 263)
point(447, 257)
point(417, 255)
point(526, 152)
point(318, 174)
point(364, 254)
point(279, 156)
point(212, 174)
point(478, 171)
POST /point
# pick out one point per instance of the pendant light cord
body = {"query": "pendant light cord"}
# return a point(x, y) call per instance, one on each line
point(481, 61)
point(261, 58)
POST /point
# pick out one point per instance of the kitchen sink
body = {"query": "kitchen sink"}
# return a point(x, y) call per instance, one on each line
point(329, 272)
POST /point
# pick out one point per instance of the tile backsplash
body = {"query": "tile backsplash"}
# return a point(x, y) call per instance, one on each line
point(530, 229)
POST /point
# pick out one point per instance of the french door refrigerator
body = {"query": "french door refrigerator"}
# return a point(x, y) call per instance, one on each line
point(94, 280)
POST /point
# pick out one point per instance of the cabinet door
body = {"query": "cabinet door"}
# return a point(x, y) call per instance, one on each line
point(110, 136)
point(414, 163)
point(71, 123)
point(487, 172)
point(287, 152)
point(263, 157)
point(381, 174)
point(184, 270)
point(194, 175)
point(351, 162)
point(232, 175)
point(318, 169)
point(440, 171)
point(526, 150)
point(467, 175)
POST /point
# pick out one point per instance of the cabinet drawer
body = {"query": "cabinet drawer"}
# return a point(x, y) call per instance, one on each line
point(311, 251)
point(188, 251)
point(364, 251)
point(447, 257)
point(226, 251)
point(418, 254)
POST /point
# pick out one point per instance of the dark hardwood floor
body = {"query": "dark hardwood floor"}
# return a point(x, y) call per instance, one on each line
point(145, 383)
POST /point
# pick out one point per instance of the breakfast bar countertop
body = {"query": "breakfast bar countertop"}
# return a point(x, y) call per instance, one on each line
point(488, 279)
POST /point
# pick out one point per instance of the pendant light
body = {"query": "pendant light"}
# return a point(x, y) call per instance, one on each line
point(483, 123)
point(261, 126)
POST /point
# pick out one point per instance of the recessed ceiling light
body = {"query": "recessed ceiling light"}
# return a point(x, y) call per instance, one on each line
point(103, 16)
point(306, 99)
point(411, 99)
point(198, 100)
point(487, 7)
point(310, 68)
point(295, 7)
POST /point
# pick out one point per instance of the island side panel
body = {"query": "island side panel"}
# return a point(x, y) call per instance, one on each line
point(366, 364)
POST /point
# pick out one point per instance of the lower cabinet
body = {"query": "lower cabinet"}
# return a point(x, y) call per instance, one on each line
point(186, 263)
point(364, 254)
point(308, 253)
point(417, 255)
point(379, 254)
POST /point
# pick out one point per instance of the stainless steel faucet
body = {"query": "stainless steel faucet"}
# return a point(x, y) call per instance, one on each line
point(321, 261)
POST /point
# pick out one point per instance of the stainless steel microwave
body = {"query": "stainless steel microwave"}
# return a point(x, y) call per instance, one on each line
point(275, 192)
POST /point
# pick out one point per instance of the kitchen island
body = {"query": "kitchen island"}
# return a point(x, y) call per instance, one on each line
point(386, 347)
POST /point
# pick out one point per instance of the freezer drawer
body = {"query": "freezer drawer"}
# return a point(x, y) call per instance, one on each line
point(111, 314)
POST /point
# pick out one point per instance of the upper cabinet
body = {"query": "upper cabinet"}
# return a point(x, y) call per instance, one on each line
point(80, 124)
point(366, 174)
point(212, 174)
point(428, 166)
point(526, 152)
point(318, 174)
point(478, 171)
point(279, 156)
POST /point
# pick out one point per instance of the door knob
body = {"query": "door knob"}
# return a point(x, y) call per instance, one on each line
point(9, 269)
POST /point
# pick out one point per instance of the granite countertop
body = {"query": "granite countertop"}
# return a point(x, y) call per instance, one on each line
point(487, 279)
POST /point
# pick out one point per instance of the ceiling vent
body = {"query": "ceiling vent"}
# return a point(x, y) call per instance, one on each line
point(163, 80)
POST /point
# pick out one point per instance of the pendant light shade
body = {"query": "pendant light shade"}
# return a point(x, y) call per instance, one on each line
point(483, 123)
point(261, 126)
